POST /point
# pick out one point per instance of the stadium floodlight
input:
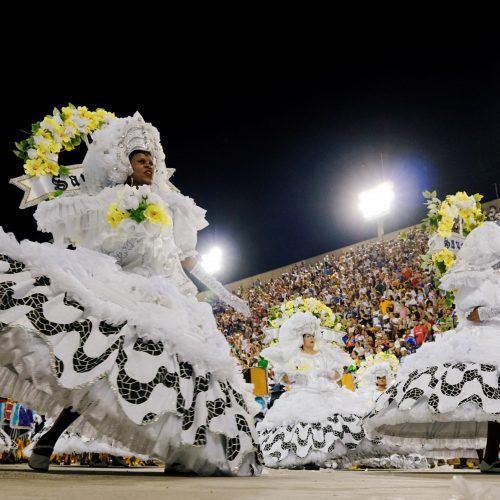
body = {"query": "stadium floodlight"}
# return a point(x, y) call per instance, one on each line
point(212, 261)
point(375, 203)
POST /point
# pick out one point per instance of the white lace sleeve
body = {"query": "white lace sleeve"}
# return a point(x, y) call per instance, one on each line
point(188, 220)
point(225, 295)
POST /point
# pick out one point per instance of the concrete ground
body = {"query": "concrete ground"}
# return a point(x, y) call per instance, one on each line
point(149, 483)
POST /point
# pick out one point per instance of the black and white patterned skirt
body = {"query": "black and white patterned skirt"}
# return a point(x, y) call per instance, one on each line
point(440, 410)
point(146, 369)
point(316, 427)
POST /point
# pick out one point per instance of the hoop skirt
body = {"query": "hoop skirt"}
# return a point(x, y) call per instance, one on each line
point(447, 391)
point(317, 421)
point(143, 363)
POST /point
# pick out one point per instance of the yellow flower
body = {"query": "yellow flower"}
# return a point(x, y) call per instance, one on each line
point(299, 366)
point(68, 112)
point(445, 227)
point(34, 167)
point(55, 147)
point(157, 215)
point(462, 196)
point(55, 133)
point(446, 256)
point(50, 168)
point(82, 111)
point(115, 215)
point(448, 209)
point(51, 124)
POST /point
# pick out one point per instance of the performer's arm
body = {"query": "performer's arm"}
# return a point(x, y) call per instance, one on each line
point(195, 268)
point(483, 313)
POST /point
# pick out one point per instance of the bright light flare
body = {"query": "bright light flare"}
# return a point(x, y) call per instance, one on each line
point(376, 202)
point(212, 261)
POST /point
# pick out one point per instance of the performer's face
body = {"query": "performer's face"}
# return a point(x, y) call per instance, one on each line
point(308, 341)
point(143, 166)
point(381, 382)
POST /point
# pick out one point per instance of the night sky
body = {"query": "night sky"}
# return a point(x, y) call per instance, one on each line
point(277, 152)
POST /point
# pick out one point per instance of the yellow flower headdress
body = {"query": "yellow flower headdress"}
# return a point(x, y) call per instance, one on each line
point(64, 130)
point(449, 222)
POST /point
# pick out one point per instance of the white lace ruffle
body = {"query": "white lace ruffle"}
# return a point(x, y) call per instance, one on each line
point(81, 219)
point(475, 343)
point(153, 306)
point(313, 406)
point(441, 410)
point(105, 418)
point(76, 217)
point(188, 220)
point(481, 248)
point(70, 443)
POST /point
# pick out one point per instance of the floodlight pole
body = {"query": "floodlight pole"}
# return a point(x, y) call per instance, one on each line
point(380, 229)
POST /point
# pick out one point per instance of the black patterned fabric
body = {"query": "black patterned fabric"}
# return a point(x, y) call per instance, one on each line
point(293, 445)
point(445, 388)
point(439, 407)
point(5, 442)
point(99, 350)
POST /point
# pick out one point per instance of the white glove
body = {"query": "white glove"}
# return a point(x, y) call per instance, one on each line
point(486, 313)
point(226, 296)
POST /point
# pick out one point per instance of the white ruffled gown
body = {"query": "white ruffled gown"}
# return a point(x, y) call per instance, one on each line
point(316, 421)
point(449, 389)
point(117, 341)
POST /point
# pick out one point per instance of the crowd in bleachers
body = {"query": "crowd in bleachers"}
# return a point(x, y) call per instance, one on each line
point(385, 300)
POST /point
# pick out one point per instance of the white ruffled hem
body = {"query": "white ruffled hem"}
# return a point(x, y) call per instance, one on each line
point(468, 344)
point(160, 439)
point(152, 305)
point(309, 406)
point(66, 445)
point(421, 430)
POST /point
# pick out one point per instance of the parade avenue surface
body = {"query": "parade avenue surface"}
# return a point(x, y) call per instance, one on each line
point(75, 483)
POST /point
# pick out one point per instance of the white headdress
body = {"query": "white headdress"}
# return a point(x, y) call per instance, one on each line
point(367, 379)
point(380, 365)
point(107, 160)
point(292, 331)
point(291, 338)
point(482, 246)
point(477, 260)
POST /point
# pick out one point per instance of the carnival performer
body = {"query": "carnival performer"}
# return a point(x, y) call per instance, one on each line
point(373, 378)
point(316, 420)
point(109, 336)
point(446, 398)
point(375, 375)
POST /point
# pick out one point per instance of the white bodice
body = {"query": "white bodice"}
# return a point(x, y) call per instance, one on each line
point(144, 248)
point(312, 371)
